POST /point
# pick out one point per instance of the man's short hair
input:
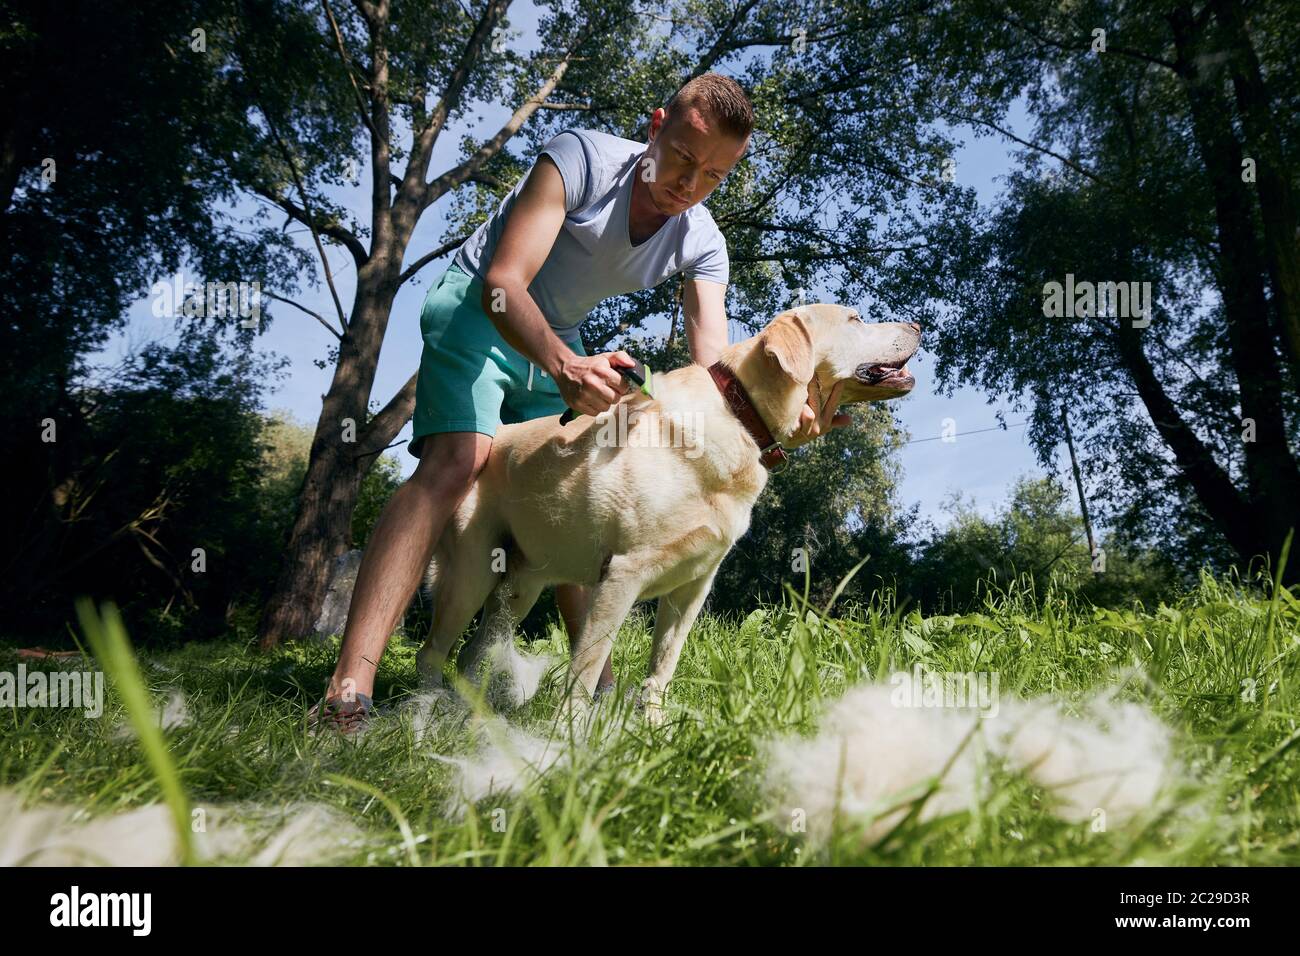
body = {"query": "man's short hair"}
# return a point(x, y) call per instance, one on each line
point(718, 97)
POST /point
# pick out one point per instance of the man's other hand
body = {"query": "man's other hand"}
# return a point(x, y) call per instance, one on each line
point(814, 421)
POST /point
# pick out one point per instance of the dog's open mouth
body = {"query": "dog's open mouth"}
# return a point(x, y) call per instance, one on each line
point(892, 375)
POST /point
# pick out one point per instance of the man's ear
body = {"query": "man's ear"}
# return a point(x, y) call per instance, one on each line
point(788, 342)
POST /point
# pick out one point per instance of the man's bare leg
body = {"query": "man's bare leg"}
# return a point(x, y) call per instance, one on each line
point(572, 600)
point(400, 550)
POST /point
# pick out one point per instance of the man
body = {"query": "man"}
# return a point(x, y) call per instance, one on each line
point(596, 216)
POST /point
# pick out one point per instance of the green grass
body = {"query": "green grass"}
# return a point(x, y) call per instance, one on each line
point(689, 793)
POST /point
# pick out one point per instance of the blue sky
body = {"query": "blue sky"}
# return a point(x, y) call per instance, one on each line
point(980, 466)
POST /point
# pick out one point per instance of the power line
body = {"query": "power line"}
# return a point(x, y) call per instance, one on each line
point(956, 435)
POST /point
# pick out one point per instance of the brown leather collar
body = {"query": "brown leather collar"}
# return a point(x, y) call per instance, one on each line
point(771, 454)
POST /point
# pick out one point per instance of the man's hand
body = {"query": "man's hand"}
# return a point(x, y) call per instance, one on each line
point(589, 384)
point(814, 421)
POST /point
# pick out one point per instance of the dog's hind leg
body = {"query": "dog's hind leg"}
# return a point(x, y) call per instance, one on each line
point(465, 576)
point(493, 643)
point(457, 601)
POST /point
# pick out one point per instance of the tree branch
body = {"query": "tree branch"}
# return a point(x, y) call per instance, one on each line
point(963, 117)
point(838, 254)
point(428, 257)
point(315, 236)
point(414, 194)
point(381, 200)
point(367, 10)
point(347, 66)
point(470, 167)
point(279, 298)
point(1085, 44)
point(381, 429)
point(334, 230)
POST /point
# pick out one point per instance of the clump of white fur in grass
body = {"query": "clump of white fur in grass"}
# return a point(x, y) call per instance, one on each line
point(506, 760)
point(65, 835)
point(514, 677)
point(510, 678)
point(872, 757)
point(174, 714)
point(1117, 758)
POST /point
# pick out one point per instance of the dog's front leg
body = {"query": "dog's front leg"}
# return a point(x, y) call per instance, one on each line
point(674, 616)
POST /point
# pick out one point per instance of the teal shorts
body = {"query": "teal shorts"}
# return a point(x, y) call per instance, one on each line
point(470, 379)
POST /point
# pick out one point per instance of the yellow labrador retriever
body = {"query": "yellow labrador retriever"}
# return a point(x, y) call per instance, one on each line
point(645, 500)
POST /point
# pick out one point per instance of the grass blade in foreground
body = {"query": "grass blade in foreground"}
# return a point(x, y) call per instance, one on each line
point(107, 638)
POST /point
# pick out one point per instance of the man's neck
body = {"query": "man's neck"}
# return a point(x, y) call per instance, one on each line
point(643, 217)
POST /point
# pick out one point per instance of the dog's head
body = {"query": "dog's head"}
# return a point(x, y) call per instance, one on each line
point(833, 346)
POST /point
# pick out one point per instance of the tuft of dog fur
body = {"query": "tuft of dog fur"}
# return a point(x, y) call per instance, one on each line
point(872, 759)
point(504, 758)
point(514, 676)
point(56, 834)
point(507, 759)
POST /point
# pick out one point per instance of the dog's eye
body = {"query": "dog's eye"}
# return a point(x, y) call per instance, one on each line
point(853, 314)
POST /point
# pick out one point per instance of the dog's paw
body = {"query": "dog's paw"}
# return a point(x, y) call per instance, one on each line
point(655, 715)
point(574, 709)
point(650, 699)
point(428, 667)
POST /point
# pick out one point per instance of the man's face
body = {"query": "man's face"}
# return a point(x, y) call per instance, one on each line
point(692, 156)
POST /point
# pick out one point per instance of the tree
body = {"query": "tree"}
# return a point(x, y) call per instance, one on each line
point(111, 134)
point(1191, 422)
point(1035, 539)
point(162, 507)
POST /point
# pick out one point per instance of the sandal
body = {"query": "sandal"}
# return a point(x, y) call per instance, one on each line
point(345, 717)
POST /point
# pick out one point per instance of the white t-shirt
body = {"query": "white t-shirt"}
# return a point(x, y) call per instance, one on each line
point(593, 257)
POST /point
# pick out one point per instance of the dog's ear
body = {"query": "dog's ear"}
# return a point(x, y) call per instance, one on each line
point(788, 342)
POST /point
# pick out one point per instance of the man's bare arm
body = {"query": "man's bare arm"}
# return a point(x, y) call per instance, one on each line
point(589, 384)
point(526, 241)
point(704, 305)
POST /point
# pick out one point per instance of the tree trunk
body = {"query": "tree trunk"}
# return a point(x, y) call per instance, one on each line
point(322, 528)
point(1221, 500)
point(321, 531)
point(1272, 478)
point(1277, 204)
